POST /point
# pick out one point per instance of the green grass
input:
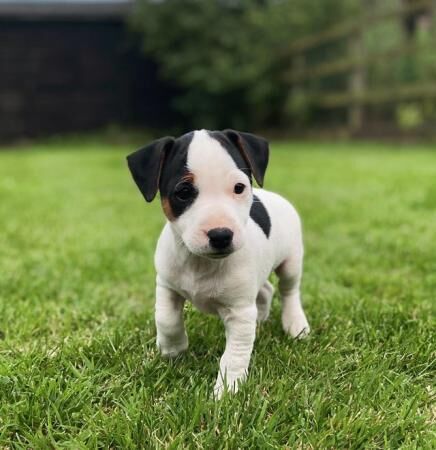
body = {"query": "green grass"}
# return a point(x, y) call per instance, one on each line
point(78, 363)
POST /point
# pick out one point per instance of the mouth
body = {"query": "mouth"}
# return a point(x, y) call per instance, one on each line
point(219, 254)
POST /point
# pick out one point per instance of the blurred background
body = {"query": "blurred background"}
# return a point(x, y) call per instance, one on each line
point(85, 82)
point(353, 68)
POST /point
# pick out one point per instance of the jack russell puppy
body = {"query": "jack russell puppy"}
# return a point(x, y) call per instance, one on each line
point(221, 241)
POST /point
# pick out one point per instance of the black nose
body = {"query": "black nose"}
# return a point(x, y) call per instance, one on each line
point(220, 238)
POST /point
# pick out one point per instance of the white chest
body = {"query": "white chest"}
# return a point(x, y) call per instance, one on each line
point(206, 287)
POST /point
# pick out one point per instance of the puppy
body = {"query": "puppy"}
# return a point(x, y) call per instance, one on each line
point(222, 240)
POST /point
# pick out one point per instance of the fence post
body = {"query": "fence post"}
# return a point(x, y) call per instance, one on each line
point(297, 89)
point(357, 81)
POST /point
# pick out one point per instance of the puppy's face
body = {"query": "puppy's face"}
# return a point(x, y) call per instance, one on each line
point(204, 179)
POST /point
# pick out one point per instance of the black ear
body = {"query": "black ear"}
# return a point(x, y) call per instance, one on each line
point(146, 166)
point(255, 151)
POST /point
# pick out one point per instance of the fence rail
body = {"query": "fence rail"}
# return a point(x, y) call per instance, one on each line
point(344, 29)
point(353, 62)
point(378, 96)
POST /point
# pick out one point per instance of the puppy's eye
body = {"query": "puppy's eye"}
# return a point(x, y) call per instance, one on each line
point(239, 188)
point(185, 192)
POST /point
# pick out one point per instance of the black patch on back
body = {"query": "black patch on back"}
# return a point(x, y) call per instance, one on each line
point(173, 170)
point(233, 151)
point(260, 215)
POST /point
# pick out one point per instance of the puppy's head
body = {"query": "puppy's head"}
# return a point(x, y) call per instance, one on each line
point(205, 183)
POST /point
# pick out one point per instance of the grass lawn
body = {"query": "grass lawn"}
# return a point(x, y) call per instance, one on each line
point(78, 363)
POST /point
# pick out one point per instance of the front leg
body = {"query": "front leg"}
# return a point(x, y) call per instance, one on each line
point(171, 334)
point(240, 325)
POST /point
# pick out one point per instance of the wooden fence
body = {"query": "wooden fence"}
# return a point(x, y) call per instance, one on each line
point(355, 62)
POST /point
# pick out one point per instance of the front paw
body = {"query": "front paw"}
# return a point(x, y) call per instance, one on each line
point(228, 384)
point(298, 326)
point(171, 349)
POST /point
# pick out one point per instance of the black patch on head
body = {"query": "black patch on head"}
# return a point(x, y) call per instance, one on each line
point(254, 149)
point(174, 176)
point(233, 151)
point(260, 215)
point(162, 165)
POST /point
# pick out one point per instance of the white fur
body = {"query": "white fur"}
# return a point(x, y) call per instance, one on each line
point(235, 287)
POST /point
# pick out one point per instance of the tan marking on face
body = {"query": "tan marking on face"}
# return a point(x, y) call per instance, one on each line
point(188, 178)
point(167, 209)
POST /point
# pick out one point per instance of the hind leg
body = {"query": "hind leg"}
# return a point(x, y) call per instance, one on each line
point(293, 318)
point(263, 301)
